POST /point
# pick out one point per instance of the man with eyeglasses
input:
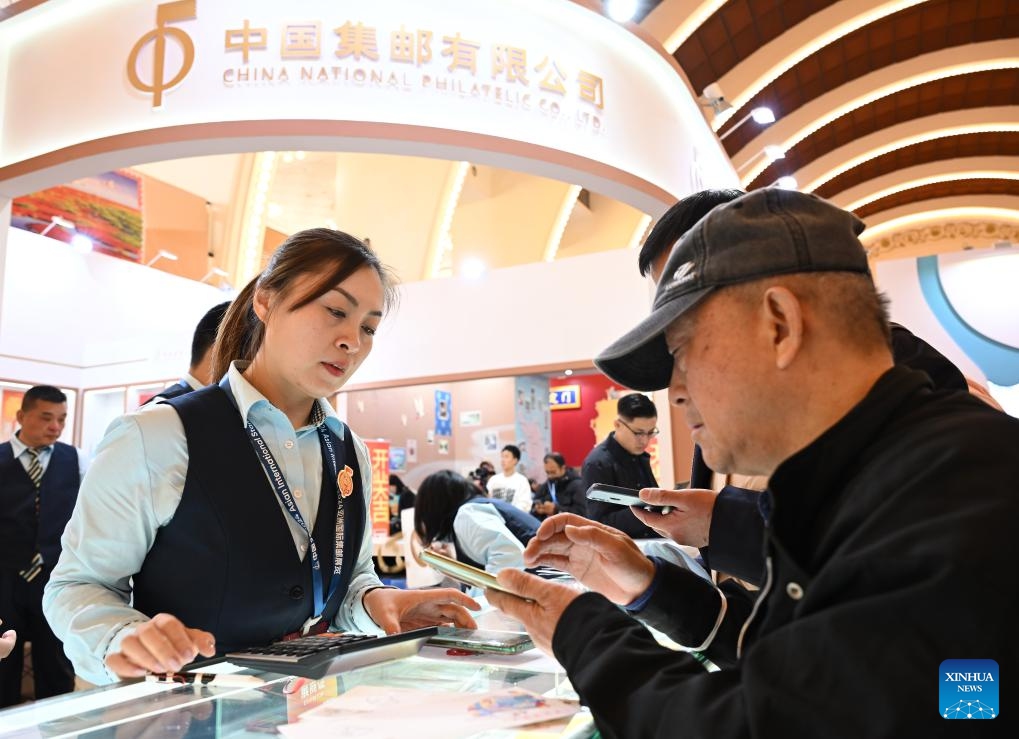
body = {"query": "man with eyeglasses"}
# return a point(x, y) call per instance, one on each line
point(622, 460)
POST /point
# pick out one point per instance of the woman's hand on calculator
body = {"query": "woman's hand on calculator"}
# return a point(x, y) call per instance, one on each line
point(163, 644)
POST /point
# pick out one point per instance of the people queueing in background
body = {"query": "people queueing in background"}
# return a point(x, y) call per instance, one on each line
point(622, 460)
point(184, 536)
point(510, 485)
point(199, 373)
point(562, 492)
point(401, 498)
point(777, 350)
point(39, 479)
point(483, 531)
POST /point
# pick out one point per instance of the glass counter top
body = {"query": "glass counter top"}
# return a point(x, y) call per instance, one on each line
point(145, 709)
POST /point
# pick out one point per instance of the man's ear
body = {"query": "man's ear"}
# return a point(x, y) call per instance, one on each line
point(783, 313)
point(20, 416)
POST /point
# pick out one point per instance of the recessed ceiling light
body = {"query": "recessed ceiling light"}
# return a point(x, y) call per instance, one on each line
point(472, 268)
point(81, 243)
point(621, 11)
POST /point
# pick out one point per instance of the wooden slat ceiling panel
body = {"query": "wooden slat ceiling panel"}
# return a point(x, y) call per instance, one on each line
point(1005, 144)
point(922, 29)
point(993, 87)
point(741, 27)
point(941, 190)
point(711, 51)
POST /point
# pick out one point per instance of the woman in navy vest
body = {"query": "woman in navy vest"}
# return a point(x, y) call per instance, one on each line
point(485, 532)
point(240, 511)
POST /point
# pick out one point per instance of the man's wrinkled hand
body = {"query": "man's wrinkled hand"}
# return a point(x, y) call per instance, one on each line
point(538, 604)
point(689, 520)
point(602, 558)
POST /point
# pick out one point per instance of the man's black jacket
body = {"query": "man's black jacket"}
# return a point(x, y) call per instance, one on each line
point(891, 546)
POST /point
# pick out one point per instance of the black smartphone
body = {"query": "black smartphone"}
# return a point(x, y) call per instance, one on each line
point(622, 496)
point(477, 640)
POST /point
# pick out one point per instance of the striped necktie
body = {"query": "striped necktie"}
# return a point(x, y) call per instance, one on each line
point(35, 475)
point(35, 467)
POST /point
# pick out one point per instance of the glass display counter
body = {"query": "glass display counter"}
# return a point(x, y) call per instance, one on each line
point(146, 709)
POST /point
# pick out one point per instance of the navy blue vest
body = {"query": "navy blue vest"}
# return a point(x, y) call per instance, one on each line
point(172, 391)
point(226, 562)
point(522, 525)
point(22, 534)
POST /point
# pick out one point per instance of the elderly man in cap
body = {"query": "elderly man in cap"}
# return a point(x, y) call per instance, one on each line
point(890, 509)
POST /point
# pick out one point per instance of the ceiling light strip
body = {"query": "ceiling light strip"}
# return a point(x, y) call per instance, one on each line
point(745, 80)
point(931, 180)
point(846, 98)
point(882, 142)
point(872, 233)
point(679, 16)
point(253, 229)
point(555, 235)
point(442, 242)
point(639, 232)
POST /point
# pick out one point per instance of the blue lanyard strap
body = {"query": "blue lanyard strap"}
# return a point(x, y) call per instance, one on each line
point(282, 490)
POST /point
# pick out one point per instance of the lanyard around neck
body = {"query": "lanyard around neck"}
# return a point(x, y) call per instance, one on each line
point(282, 490)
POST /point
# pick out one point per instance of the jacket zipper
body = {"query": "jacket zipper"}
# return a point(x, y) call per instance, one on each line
point(757, 605)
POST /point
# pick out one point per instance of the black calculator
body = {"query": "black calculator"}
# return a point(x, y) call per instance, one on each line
point(329, 653)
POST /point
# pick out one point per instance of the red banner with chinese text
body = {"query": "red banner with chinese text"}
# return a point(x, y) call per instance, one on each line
point(378, 453)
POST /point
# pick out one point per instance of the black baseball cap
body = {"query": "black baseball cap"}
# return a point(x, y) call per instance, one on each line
point(766, 232)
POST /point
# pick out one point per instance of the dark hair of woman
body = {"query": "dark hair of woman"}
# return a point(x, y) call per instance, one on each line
point(439, 497)
point(396, 482)
point(332, 256)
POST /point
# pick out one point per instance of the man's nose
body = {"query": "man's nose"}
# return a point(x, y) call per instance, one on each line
point(677, 387)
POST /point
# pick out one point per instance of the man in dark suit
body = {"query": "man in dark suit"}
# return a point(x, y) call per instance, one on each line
point(39, 479)
point(200, 372)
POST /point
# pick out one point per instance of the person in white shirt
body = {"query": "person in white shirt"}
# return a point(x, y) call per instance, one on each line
point(510, 485)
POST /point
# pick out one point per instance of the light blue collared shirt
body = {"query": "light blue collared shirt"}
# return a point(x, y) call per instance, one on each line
point(482, 535)
point(133, 488)
point(18, 449)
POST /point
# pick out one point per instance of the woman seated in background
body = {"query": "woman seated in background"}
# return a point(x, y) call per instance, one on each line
point(485, 532)
point(401, 498)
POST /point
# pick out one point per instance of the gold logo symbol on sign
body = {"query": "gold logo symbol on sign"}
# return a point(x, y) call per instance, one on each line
point(181, 10)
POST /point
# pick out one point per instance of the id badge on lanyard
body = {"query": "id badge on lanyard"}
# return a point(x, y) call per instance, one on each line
point(344, 486)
